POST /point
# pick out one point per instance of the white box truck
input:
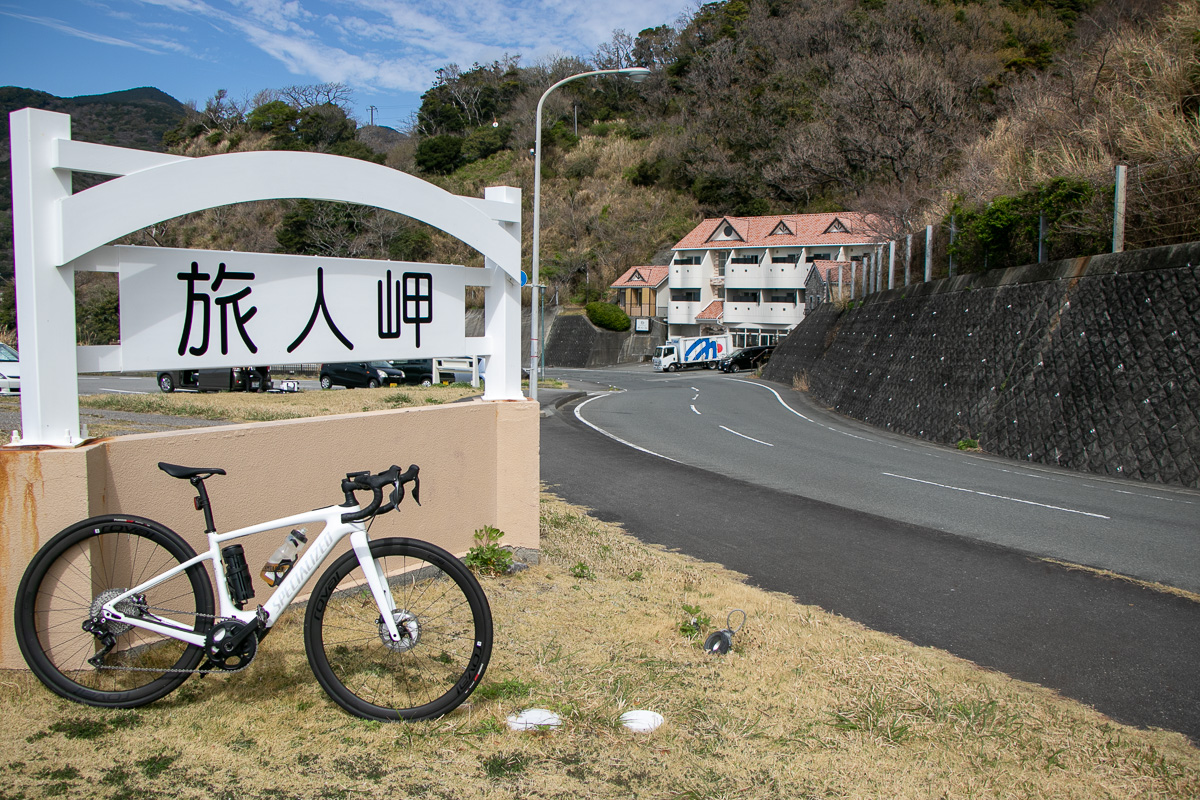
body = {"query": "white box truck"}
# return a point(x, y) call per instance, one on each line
point(692, 351)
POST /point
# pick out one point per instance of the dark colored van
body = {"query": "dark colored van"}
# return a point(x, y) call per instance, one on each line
point(416, 370)
point(359, 374)
point(235, 379)
point(746, 358)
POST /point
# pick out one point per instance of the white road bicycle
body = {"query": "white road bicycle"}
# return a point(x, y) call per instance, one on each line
point(117, 611)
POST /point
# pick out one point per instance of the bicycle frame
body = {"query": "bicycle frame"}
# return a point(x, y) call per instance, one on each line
point(314, 555)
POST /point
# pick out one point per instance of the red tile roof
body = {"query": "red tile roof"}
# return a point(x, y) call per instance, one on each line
point(829, 270)
point(811, 230)
point(714, 310)
point(652, 277)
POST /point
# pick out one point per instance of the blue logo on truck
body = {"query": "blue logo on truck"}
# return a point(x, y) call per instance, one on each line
point(703, 350)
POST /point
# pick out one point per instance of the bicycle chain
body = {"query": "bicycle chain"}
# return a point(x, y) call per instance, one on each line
point(173, 669)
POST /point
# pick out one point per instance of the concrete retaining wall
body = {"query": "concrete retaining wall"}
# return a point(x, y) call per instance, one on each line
point(1089, 364)
point(574, 341)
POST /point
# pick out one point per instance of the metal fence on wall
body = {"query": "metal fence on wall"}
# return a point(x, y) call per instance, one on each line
point(1139, 206)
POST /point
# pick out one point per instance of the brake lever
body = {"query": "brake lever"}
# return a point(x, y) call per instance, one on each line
point(416, 490)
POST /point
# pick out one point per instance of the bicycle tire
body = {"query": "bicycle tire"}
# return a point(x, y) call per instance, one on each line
point(440, 606)
point(74, 572)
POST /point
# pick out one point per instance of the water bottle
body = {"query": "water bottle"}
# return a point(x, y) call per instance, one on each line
point(283, 558)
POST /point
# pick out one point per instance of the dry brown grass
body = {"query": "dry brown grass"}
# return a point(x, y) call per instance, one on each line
point(807, 704)
point(242, 407)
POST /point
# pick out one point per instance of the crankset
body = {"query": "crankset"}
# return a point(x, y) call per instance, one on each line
point(223, 649)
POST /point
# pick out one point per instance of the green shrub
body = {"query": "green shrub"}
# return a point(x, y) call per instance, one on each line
point(440, 155)
point(487, 557)
point(608, 316)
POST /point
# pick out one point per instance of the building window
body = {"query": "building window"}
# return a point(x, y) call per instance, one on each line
point(741, 296)
point(685, 261)
point(782, 297)
point(792, 259)
point(819, 257)
point(744, 260)
point(685, 295)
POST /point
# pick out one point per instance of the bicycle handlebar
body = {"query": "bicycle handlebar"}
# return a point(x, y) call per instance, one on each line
point(365, 481)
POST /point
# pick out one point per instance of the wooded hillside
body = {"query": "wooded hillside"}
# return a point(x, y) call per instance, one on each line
point(1001, 115)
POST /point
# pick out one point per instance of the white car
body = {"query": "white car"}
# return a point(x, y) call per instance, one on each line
point(10, 370)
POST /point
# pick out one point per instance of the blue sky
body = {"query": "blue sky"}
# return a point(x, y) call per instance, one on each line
point(386, 50)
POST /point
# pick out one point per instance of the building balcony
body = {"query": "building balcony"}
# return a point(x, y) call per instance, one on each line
point(766, 276)
point(683, 313)
point(763, 313)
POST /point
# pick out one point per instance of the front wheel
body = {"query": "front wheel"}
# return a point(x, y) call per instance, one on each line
point(166, 383)
point(372, 384)
point(326, 382)
point(673, 368)
point(443, 618)
point(64, 638)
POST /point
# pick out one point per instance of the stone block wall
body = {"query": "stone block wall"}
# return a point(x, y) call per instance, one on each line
point(1089, 364)
point(575, 342)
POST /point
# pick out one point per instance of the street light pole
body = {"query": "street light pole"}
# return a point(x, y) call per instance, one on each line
point(635, 74)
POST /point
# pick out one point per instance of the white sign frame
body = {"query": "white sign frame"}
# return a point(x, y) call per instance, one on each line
point(56, 233)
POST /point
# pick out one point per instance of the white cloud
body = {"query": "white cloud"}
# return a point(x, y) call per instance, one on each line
point(62, 27)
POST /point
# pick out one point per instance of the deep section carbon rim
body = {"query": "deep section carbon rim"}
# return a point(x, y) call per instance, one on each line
point(78, 571)
point(445, 623)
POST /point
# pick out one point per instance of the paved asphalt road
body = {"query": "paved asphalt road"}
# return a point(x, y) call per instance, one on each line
point(1131, 652)
point(774, 437)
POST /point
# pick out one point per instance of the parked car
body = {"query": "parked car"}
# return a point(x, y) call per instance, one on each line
point(416, 370)
point(746, 358)
point(357, 374)
point(227, 379)
point(10, 370)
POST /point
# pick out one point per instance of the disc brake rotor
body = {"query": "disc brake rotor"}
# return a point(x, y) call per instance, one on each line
point(407, 625)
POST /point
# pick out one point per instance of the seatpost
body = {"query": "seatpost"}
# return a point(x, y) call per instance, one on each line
point(202, 504)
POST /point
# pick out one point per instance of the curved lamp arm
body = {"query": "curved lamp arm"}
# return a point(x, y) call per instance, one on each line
point(635, 74)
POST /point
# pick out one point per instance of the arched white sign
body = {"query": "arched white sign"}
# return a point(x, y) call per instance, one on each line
point(56, 233)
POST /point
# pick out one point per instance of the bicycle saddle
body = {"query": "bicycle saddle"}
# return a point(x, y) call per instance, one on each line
point(176, 471)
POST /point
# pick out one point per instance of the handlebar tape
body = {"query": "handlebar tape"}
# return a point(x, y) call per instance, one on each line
point(365, 481)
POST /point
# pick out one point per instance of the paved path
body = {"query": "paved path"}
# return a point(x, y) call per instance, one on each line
point(1131, 652)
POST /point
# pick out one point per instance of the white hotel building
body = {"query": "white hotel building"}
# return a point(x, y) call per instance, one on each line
point(746, 275)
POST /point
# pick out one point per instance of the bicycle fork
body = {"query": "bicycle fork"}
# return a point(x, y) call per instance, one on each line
point(378, 583)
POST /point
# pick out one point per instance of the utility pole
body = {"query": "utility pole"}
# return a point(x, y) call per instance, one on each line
point(372, 109)
point(1118, 238)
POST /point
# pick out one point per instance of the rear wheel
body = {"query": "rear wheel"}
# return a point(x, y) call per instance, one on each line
point(62, 634)
point(326, 382)
point(441, 613)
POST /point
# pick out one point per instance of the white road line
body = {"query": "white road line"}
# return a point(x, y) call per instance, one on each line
point(807, 419)
point(600, 430)
point(997, 496)
point(744, 436)
point(120, 391)
point(694, 409)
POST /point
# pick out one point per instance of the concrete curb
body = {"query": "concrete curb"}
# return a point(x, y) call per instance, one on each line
point(558, 402)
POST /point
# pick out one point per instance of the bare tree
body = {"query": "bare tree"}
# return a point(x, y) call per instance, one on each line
point(317, 94)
